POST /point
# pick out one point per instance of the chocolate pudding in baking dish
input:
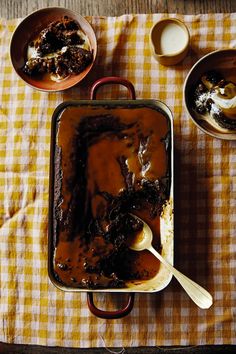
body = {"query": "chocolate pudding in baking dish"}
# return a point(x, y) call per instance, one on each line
point(109, 162)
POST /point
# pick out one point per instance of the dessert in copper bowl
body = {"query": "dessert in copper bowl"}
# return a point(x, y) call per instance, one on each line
point(53, 49)
point(210, 94)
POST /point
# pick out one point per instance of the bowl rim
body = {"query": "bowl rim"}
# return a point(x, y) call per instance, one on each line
point(49, 9)
point(222, 136)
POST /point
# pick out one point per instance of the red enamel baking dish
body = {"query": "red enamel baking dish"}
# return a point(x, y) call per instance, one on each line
point(166, 232)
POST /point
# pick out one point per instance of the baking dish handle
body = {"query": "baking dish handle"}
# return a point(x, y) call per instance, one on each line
point(130, 302)
point(112, 80)
point(110, 314)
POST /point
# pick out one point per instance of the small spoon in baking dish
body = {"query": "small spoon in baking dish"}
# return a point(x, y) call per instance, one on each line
point(143, 241)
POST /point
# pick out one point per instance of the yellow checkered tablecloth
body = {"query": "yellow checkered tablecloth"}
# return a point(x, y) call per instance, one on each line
point(32, 310)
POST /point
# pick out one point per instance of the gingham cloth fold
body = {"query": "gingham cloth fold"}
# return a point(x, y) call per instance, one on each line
point(32, 310)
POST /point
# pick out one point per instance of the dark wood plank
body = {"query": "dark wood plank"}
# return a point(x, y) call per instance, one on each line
point(13, 8)
point(34, 349)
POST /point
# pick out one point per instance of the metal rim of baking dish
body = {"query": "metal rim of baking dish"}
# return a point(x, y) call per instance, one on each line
point(166, 227)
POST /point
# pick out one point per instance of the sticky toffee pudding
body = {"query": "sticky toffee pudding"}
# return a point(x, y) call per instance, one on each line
point(109, 162)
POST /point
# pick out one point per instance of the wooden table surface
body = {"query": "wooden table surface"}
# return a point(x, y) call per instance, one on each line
point(20, 8)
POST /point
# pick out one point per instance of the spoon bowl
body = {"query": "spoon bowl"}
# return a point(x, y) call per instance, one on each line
point(143, 241)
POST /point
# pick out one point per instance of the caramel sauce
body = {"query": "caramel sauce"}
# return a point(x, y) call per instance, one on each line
point(111, 162)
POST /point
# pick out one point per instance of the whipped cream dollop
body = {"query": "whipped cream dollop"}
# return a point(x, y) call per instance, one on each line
point(225, 99)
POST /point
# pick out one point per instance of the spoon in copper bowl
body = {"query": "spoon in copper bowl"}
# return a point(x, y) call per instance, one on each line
point(143, 241)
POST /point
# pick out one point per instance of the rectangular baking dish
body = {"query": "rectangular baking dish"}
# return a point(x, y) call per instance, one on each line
point(163, 277)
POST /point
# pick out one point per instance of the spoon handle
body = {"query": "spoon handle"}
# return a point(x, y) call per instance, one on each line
point(199, 295)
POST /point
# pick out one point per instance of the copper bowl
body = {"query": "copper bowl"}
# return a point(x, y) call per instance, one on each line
point(28, 29)
point(223, 61)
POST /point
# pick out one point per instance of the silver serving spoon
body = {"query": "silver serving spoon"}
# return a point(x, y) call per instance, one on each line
point(143, 240)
